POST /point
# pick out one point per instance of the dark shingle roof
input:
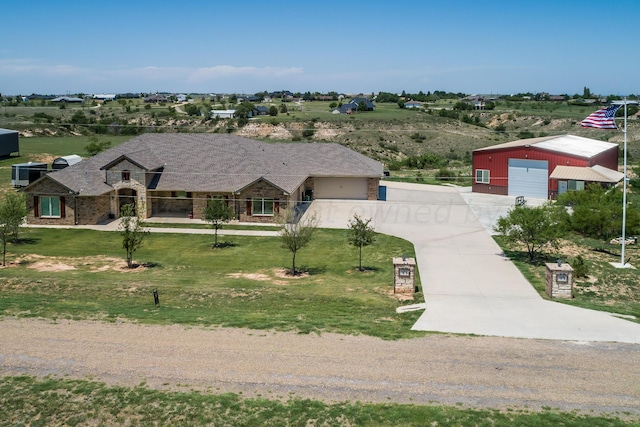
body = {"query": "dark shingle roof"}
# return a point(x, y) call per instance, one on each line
point(220, 163)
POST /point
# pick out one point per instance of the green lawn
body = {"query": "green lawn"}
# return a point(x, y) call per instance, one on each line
point(237, 286)
point(44, 402)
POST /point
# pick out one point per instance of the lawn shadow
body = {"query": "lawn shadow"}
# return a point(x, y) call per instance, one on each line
point(313, 271)
point(222, 245)
point(27, 241)
point(366, 269)
point(150, 264)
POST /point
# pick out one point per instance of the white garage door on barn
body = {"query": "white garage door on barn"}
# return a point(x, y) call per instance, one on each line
point(529, 178)
point(340, 188)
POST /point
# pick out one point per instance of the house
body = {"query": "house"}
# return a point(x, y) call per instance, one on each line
point(175, 175)
point(412, 104)
point(527, 167)
point(261, 110)
point(368, 105)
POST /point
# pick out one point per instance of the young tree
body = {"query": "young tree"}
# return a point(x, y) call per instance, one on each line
point(534, 227)
point(13, 209)
point(217, 213)
point(361, 234)
point(295, 233)
point(131, 231)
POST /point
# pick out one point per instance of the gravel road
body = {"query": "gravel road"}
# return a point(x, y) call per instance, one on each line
point(474, 371)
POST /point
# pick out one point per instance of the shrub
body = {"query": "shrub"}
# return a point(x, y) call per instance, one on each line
point(580, 267)
point(445, 174)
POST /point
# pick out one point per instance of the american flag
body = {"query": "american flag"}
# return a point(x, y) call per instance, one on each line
point(602, 119)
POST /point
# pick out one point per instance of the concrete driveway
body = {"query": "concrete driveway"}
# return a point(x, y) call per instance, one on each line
point(469, 287)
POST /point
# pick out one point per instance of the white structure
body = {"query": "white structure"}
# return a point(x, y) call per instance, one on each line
point(223, 114)
point(105, 96)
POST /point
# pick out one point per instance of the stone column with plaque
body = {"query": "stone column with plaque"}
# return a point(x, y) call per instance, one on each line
point(559, 280)
point(404, 275)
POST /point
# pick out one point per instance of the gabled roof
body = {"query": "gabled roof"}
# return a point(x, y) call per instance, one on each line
point(218, 163)
point(567, 144)
point(595, 173)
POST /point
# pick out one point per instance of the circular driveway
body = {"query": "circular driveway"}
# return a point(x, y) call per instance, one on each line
point(468, 285)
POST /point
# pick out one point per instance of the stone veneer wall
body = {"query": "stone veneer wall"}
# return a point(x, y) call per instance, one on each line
point(47, 187)
point(200, 200)
point(93, 210)
point(260, 189)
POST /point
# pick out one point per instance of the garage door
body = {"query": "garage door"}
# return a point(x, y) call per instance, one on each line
point(341, 188)
point(529, 178)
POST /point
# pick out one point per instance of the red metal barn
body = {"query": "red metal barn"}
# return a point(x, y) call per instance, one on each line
point(523, 167)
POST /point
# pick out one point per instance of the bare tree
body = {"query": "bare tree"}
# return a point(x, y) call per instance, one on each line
point(296, 232)
point(131, 230)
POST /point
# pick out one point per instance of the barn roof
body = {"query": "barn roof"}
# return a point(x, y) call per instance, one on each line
point(218, 163)
point(567, 144)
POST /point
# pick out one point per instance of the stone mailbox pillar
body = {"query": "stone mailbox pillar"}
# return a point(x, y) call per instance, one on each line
point(404, 274)
point(559, 280)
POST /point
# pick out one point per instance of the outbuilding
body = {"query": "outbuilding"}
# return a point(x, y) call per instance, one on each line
point(9, 142)
point(525, 167)
point(65, 161)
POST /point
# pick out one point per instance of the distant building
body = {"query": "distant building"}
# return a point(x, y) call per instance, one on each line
point(223, 114)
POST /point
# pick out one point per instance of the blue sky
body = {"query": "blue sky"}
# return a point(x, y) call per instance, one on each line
point(352, 46)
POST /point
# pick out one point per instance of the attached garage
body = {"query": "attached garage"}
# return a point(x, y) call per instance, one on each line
point(341, 188)
point(529, 178)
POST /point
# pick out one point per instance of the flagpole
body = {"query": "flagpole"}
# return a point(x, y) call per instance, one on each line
point(624, 188)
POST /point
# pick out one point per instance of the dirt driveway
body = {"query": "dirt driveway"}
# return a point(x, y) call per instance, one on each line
point(474, 371)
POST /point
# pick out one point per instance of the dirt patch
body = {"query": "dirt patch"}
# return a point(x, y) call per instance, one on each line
point(262, 277)
point(397, 297)
point(251, 276)
point(93, 264)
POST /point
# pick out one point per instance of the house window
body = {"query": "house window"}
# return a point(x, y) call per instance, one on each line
point(482, 176)
point(262, 207)
point(126, 175)
point(574, 185)
point(49, 207)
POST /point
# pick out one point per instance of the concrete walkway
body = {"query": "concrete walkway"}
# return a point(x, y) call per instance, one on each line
point(469, 287)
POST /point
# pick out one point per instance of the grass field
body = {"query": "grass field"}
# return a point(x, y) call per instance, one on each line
point(65, 274)
point(62, 402)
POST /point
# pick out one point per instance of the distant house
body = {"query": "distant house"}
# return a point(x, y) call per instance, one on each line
point(181, 97)
point(412, 104)
point(104, 96)
point(261, 110)
point(354, 105)
point(177, 174)
point(223, 114)
point(67, 99)
point(155, 98)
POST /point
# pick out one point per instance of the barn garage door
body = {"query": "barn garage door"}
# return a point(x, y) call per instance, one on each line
point(529, 178)
point(341, 188)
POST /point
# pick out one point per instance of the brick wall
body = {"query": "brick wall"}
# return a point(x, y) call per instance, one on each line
point(260, 189)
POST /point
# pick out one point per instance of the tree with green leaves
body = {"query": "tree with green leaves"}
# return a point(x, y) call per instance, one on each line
point(95, 146)
point(273, 111)
point(534, 227)
point(217, 213)
point(131, 231)
point(13, 210)
point(361, 234)
point(295, 233)
point(597, 212)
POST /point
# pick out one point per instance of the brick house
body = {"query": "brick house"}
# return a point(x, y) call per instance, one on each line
point(175, 175)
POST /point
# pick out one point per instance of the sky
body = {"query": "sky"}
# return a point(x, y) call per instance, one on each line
point(348, 46)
